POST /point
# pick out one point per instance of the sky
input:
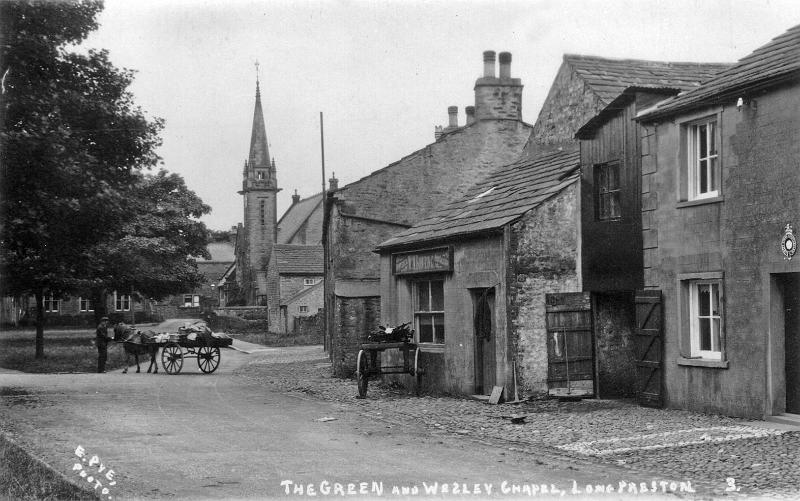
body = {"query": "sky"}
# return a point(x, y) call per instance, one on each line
point(382, 73)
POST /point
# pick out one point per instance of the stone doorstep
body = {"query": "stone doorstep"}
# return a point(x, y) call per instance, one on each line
point(792, 421)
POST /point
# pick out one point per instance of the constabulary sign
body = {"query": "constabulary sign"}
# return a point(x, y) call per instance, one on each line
point(426, 261)
point(788, 242)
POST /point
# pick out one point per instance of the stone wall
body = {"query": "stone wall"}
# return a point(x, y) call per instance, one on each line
point(355, 318)
point(543, 258)
point(737, 236)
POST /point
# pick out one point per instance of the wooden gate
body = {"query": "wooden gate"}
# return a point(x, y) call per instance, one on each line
point(649, 348)
point(570, 344)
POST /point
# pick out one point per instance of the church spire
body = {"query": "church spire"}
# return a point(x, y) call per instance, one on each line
point(259, 150)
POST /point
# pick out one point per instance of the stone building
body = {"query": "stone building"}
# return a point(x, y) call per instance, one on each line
point(274, 258)
point(721, 204)
point(363, 214)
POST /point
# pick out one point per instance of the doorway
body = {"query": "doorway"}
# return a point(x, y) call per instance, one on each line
point(483, 302)
point(790, 285)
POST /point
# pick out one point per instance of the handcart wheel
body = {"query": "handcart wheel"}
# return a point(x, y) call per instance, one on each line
point(362, 374)
point(417, 372)
point(172, 358)
point(208, 358)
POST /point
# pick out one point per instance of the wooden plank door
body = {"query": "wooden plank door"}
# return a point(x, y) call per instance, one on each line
point(570, 344)
point(649, 348)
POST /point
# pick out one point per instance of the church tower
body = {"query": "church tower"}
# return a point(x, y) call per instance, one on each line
point(259, 191)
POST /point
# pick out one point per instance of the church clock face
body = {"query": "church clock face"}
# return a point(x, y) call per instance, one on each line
point(788, 242)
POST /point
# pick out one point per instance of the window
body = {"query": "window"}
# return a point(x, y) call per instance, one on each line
point(52, 305)
point(309, 281)
point(703, 161)
point(122, 302)
point(302, 309)
point(429, 311)
point(607, 192)
point(85, 304)
point(263, 211)
point(191, 301)
point(705, 317)
point(261, 175)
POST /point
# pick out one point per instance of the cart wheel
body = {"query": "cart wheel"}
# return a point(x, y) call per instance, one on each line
point(208, 358)
point(417, 372)
point(362, 368)
point(172, 358)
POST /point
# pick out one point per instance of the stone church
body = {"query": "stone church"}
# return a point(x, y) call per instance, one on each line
point(279, 262)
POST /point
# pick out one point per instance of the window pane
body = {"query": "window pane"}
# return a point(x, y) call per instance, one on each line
point(614, 209)
point(602, 178)
point(423, 297)
point(602, 209)
point(705, 334)
point(712, 174)
point(439, 328)
point(703, 300)
point(425, 329)
point(712, 138)
point(715, 345)
point(613, 177)
point(703, 172)
point(437, 295)
point(702, 131)
point(714, 299)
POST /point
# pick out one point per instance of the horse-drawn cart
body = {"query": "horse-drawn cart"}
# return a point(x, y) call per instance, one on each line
point(205, 349)
point(369, 364)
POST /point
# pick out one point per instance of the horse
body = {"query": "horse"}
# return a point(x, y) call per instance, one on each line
point(135, 344)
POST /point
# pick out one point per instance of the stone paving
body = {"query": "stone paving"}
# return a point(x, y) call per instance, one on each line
point(715, 450)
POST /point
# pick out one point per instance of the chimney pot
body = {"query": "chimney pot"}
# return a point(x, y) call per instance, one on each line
point(505, 65)
point(452, 112)
point(295, 198)
point(334, 183)
point(437, 132)
point(488, 63)
point(470, 111)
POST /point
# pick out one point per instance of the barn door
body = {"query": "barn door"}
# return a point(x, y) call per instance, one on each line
point(570, 344)
point(649, 348)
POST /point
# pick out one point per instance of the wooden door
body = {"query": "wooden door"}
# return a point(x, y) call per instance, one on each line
point(649, 348)
point(570, 344)
point(484, 341)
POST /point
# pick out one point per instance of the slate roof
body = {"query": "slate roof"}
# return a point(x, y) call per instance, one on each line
point(779, 58)
point(295, 216)
point(299, 259)
point(608, 78)
point(504, 196)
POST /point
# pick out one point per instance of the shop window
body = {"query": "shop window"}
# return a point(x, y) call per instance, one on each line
point(706, 319)
point(52, 305)
point(191, 300)
point(85, 304)
point(607, 191)
point(122, 302)
point(429, 311)
point(702, 164)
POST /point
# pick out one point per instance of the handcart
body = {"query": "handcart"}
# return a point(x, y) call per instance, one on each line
point(369, 365)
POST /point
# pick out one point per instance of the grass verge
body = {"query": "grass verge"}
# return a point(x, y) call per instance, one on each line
point(71, 350)
point(25, 478)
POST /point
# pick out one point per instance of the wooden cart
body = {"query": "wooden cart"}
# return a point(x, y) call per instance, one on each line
point(204, 349)
point(368, 364)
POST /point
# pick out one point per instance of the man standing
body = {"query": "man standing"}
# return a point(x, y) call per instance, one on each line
point(102, 344)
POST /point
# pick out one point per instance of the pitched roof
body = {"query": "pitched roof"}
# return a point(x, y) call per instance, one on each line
point(767, 64)
point(295, 216)
point(221, 252)
point(299, 259)
point(302, 292)
point(504, 196)
point(608, 78)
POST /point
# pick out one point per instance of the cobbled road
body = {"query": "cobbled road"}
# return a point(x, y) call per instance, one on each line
point(273, 424)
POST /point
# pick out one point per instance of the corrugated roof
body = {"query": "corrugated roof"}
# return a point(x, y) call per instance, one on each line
point(221, 252)
point(504, 196)
point(295, 216)
point(608, 78)
point(778, 58)
point(299, 259)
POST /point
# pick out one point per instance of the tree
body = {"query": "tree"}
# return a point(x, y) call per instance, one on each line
point(152, 252)
point(72, 144)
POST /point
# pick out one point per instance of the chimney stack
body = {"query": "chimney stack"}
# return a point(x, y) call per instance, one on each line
point(488, 63)
point(295, 198)
point(437, 132)
point(470, 111)
point(452, 113)
point(333, 182)
point(505, 65)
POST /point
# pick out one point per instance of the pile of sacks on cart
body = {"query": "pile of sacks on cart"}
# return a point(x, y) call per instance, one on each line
point(197, 331)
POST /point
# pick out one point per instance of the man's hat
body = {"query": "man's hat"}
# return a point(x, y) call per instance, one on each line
point(103, 318)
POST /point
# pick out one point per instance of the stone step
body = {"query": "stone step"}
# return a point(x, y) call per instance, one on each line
point(788, 419)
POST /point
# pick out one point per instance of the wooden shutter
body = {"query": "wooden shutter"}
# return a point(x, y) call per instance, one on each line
point(649, 348)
